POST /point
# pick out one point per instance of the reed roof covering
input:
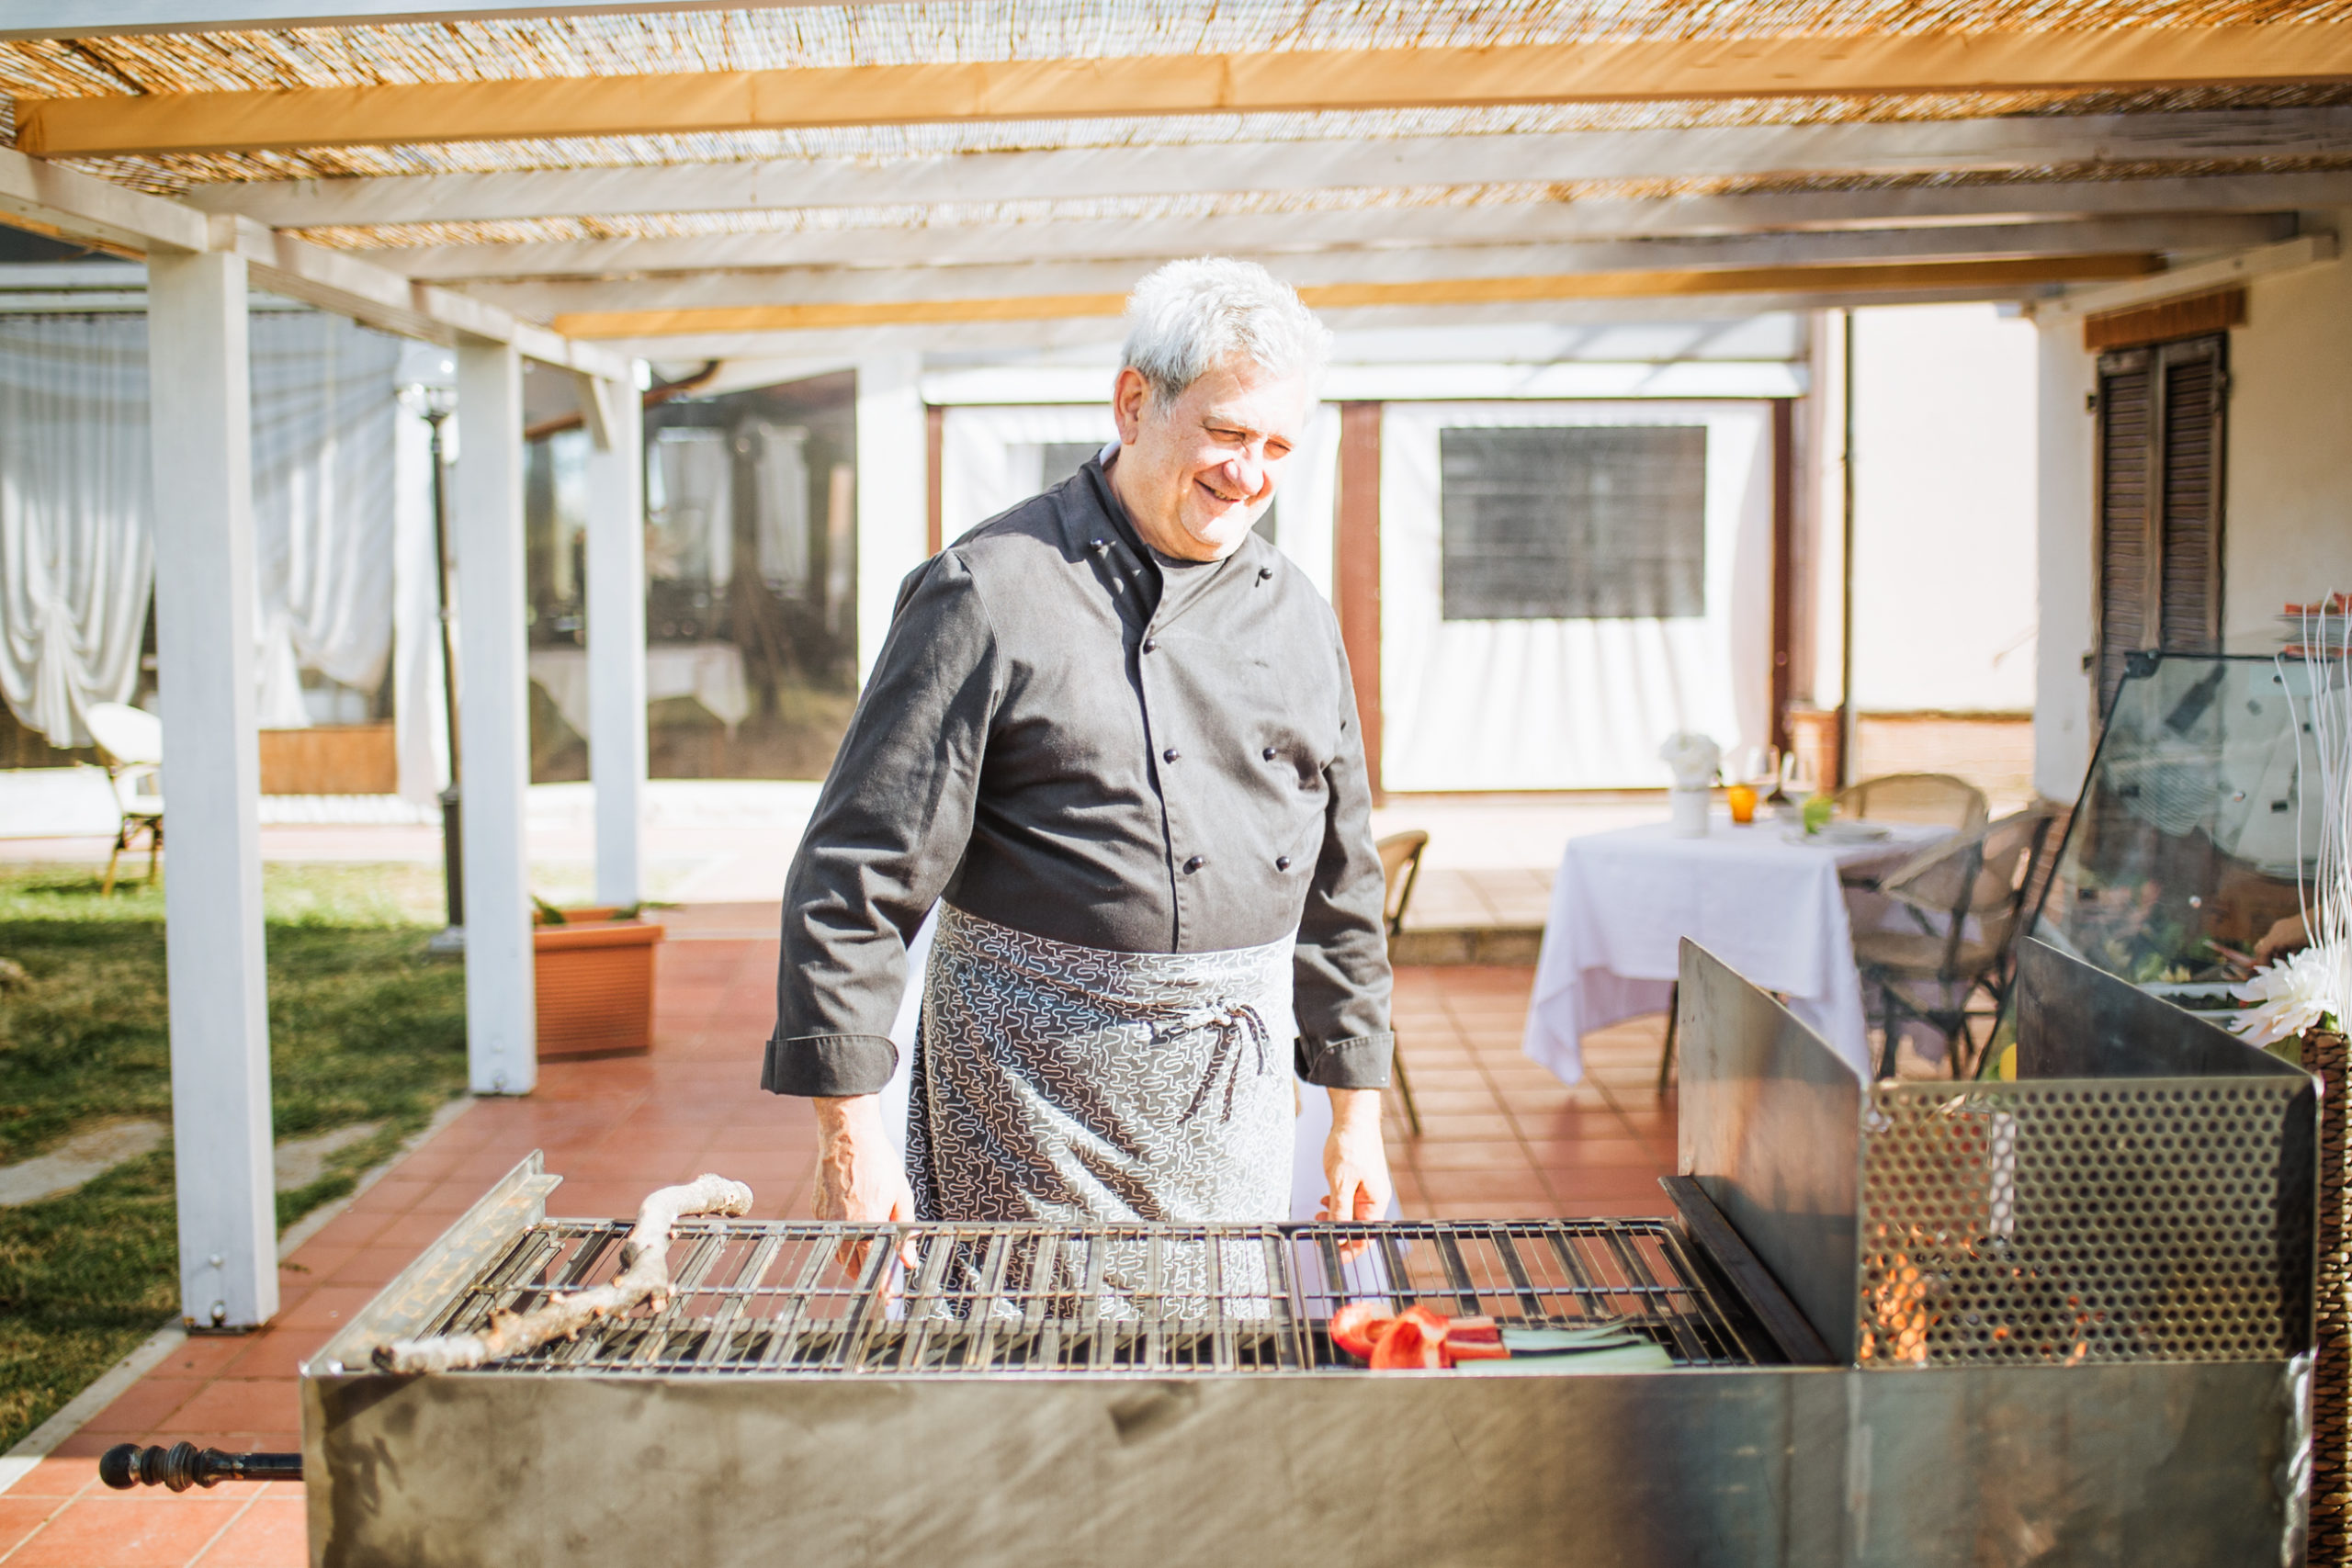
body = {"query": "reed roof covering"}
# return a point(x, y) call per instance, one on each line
point(784, 38)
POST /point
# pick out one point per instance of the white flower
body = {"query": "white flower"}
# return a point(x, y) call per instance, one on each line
point(1692, 756)
point(2299, 992)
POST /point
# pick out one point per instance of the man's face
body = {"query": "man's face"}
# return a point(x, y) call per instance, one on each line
point(1197, 473)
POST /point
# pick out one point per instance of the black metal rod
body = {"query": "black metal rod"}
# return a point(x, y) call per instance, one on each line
point(183, 1466)
point(452, 830)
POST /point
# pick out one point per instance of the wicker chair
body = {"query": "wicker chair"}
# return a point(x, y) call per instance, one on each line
point(1936, 798)
point(132, 741)
point(1964, 897)
point(1400, 862)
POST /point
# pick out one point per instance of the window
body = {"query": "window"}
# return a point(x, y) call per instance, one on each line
point(2160, 434)
point(1575, 523)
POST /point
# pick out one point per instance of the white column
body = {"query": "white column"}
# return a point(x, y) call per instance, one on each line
point(493, 718)
point(617, 632)
point(2066, 717)
point(201, 400)
point(893, 491)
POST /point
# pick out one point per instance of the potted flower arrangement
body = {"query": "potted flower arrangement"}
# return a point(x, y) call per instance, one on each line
point(592, 968)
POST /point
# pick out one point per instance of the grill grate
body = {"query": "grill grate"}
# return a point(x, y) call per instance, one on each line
point(775, 1296)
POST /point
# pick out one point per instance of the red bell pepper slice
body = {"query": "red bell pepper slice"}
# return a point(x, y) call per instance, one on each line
point(1356, 1326)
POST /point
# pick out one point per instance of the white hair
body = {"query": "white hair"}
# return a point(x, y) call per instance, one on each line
point(1189, 316)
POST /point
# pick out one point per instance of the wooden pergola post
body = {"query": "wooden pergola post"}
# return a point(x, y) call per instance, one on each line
point(893, 490)
point(200, 409)
point(493, 718)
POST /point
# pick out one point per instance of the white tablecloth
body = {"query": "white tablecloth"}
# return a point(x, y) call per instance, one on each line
point(1769, 907)
point(710, 673)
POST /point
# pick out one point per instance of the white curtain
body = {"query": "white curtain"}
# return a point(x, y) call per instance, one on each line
point(326, 480)
point(75, 559)
point(1540, 704)
point(76, 500)
point(992, 459)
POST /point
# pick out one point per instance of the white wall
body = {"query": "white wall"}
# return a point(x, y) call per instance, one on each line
point(2062, 710)
point(2287, 505)
point(2287, 517)
point(1944, 510)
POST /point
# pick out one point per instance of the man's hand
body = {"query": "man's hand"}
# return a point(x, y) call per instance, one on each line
point(860, 1178)
point(1355, 1163)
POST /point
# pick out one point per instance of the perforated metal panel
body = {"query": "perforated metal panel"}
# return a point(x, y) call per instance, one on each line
point(2070, 1220)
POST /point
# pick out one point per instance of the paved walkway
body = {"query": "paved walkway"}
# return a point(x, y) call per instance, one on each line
point(1501, 1137)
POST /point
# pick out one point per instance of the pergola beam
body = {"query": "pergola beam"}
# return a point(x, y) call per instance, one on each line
point(82, 206)
point(104, 18)
point(1602, 71)
point(882, 287)
point(1869, 277)
point(1272, 233)
point(1974, 146)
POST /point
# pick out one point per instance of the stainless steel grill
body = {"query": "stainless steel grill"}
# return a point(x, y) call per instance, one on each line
point(754, 1297)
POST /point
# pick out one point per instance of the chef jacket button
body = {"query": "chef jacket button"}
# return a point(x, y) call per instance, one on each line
point(1096, 546)
point(1170, 754)
point(1194, 865)
point(1149, 644)
point(1268, 753)
point(1282, 862)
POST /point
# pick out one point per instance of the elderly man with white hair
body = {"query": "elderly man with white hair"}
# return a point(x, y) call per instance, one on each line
point(1113, 738)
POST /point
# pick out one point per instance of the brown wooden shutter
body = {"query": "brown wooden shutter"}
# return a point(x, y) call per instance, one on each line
point(2161, 439)
point(2190, 617)
point(2126, 552)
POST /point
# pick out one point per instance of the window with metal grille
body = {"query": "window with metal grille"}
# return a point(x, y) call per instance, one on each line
point(1567, 523)
point(2160, 445)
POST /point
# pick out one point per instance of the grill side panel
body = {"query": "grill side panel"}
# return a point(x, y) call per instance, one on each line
point(2153, 1465)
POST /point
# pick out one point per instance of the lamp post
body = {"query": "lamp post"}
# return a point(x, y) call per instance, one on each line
point(435, 405)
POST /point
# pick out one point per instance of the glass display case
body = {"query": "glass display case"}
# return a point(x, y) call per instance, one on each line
point(2195, 833)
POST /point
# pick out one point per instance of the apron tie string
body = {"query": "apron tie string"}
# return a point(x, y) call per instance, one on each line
point(1233, 1024)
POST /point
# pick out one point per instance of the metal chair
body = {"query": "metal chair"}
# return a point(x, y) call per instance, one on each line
point(132, 743)
point(1400, 864)
point(1966, 897)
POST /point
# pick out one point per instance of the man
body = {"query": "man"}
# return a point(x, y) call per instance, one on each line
point(1112, 736)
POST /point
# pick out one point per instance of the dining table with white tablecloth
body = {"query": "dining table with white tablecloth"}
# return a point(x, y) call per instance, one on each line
point(1764, 897)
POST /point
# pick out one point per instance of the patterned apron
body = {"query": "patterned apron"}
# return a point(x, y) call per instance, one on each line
point(1076, 1085)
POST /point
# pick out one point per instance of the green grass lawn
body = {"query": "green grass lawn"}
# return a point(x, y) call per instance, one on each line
point(364, 1026)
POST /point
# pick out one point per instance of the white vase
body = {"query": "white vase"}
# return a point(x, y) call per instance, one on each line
point(1689, 808)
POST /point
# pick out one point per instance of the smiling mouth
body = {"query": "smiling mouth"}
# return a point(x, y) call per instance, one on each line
point(1220, 499)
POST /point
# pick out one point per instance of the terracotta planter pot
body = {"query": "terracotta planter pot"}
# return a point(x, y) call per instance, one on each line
point(596, 988)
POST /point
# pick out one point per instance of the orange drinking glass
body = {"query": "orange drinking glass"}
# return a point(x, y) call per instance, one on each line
point(1742, 800)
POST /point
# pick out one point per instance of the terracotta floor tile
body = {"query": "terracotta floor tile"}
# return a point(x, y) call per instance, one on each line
point(414, 1231)
point(1489, 1209)
point(19, 1517)
point(144, 1406)
point(1487, 1123)
point(149, 1530)
point(371, 1266)
point(278, 1353)
point(242, 1404)
point(1605, 1183)
point(273, 1533)
point(329, 1306)
point(1472, 1154)
point(1447, 1186)
point(1617, 1208)
point(56, 1477)
point(352, 1228)
point(1582, 1152)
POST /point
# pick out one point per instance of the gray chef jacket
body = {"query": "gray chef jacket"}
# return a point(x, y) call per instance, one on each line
point(1071, 736)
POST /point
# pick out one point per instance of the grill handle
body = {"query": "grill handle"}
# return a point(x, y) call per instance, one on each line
point(183, 1466)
